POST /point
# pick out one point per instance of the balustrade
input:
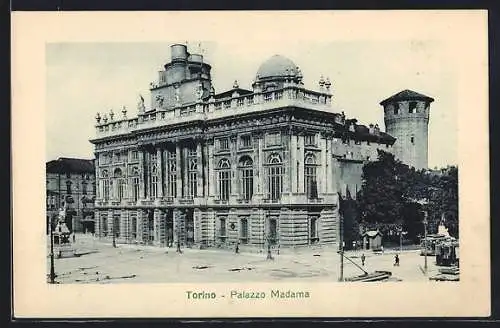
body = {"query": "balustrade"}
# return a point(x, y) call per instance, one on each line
point(290, 96)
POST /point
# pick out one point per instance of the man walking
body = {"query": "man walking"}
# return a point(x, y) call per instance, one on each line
point(396, 260)
point(363, 259)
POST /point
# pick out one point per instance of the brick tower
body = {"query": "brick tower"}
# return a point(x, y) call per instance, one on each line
point(406, 117)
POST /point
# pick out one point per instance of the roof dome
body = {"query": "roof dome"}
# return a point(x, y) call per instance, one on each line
point(277, 66)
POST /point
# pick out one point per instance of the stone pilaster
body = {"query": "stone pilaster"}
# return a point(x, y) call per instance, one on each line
point(300, 159)
point(199, 174)
point(142, 175)
point(293, 163)
point(211, 178)
point(159, 172)
point(178, 170)
point(321, 174)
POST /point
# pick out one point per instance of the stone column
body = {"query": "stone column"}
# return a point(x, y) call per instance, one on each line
point(142, 175)
point(234, 166)
point(159, 172)
point(300, 160)
point(329, 162)
point(156, 226)
point(197, 225)
point(287, 164)
point(260, 174)
point(293, 163)
point(199, 174)
point(211, 178)
point(185, 165)
point(178, 170)
point(97, 224)
point(321, 174)
point(204, 162)
point(138, 228)
point(164, 172)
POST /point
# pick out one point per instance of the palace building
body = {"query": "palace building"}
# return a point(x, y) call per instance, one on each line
point(206, 169)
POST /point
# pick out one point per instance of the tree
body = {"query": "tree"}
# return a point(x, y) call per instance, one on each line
point(388, 199)
point(381, 198)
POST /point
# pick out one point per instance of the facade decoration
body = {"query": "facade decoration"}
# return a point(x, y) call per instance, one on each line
point(252, 167)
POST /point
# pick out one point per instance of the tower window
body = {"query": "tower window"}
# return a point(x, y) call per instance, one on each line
point(396, 108)
point(412, 140)
point(413, 107)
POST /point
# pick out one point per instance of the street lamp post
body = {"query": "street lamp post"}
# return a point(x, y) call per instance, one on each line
point(52, 270)
point(114, 233)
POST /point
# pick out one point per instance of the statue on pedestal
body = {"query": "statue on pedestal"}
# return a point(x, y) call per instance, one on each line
point(61, 235)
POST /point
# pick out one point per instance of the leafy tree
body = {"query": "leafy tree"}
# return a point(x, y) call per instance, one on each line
point(390, 195)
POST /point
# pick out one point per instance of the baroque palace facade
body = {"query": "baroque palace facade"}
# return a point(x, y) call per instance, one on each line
point(208, 169)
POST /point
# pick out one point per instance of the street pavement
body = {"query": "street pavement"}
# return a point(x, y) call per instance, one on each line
point(102, 263)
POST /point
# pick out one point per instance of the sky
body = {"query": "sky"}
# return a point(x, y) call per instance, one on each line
point(84, 78)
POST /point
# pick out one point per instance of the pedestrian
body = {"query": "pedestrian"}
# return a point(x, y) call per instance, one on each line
point(382, 249)
point(363, 259)
point(74, 238)
point(237, 248)
point(396, 260)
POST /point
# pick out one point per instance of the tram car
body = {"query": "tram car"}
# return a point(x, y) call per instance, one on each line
point(447, 253)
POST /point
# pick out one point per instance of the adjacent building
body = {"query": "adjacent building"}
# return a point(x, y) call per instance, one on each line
point(71, 183)
point(254, 167)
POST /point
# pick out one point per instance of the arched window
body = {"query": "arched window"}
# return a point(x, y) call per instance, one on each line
point(154, 181)
point(275, 173)
point(245, 168)
point(224, 179)
point(310, 176)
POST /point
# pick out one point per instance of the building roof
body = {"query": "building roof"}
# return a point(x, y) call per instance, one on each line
point(70, 165)
point(406, 95)
point(229, 93)
point(277, 66)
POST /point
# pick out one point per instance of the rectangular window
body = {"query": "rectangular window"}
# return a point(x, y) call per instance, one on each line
point(218, 106)
point(247, 182)
point(244, 231)
point(240, 102)
point(413, 106)
point(313, 230)
point(246, 141)
point(275, 182)
point(396, 108)
point(134, 155)
point(224, 144)
point(135, 188)
point(278, 95)
point(310, 140)
point(116, 226)
point(227, 104)
point(250, 100)
point(268, 96)
point(122, 187)
point(222, 227)
point(105, 189)
point(272, 237)
point(224, 184)
point(273, 139)
point(84, 188)
point(154, 186)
